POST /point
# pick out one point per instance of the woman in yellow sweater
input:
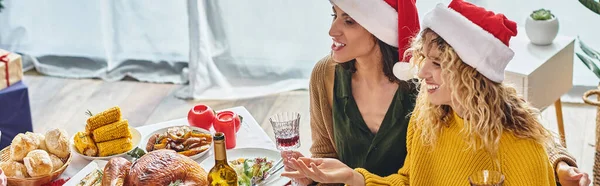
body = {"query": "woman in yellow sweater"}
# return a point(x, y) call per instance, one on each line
point(461, 66)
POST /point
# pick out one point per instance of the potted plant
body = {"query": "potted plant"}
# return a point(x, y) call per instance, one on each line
point(541, 27)
point(589, 55)
point(590, 58)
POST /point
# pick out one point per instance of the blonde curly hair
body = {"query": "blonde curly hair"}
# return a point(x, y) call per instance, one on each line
point(489, 108)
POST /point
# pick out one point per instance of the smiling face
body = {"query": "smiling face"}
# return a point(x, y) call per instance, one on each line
point(350, 39)
point(439, 93)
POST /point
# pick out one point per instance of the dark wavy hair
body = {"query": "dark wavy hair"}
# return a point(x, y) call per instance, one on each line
point(389, 57)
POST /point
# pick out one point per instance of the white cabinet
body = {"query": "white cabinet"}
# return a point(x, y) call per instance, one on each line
point(541, 74)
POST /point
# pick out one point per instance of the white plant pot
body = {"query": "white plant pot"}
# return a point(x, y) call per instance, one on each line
point(541, 32)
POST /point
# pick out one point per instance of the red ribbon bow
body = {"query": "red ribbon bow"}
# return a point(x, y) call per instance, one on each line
point(4, 59)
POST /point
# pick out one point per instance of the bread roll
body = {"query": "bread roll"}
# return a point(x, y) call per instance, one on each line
point(57, 142)
point(21, 145)
point(3, 179)
point(38, 163)
point(116, 171)
point(56, 162)
point(40, 140)
point(14, 169)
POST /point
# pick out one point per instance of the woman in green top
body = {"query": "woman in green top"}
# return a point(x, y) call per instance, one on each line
point(359, 109)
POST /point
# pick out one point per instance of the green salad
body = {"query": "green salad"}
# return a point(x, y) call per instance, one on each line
point(251, 171)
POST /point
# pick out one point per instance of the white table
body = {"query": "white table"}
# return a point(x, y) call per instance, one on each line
point(542, 74)
point(251, 135)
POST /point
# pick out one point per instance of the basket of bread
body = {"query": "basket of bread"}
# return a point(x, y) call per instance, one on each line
point(36, 159)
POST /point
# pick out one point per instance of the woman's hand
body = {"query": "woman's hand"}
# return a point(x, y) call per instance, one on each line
point(571, 176)
point(325, 170)
point(293, 155)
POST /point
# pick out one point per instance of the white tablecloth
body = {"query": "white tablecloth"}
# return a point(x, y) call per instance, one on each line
point(251, 135)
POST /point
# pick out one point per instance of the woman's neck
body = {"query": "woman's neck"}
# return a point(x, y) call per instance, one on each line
point(458, 109)
point(369, 70)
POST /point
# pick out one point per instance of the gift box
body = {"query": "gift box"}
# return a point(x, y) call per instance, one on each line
point(15, 113)
point(11, 68)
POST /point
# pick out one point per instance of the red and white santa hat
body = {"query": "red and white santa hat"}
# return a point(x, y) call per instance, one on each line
point(479, 37)
point(394, 22)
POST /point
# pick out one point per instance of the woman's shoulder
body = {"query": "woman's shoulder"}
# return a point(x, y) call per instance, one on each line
point(323, 73)
point(525, 159)
point(322, 79)
point(323, 67)
point(524, 148)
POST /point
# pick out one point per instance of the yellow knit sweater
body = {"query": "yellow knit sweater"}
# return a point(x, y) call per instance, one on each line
point(522, 161)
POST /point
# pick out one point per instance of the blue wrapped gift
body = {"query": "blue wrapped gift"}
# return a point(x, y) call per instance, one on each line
point(15, 113)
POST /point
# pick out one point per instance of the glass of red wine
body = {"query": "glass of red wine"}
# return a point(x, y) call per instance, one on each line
point(286, 126)
point(286, 129)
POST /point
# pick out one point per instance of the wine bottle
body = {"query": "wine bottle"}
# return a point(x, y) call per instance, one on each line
point(221, 174)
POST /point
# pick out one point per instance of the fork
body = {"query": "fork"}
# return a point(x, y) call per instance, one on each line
point(276, 167)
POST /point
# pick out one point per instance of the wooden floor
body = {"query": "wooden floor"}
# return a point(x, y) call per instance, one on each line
point(62, 103)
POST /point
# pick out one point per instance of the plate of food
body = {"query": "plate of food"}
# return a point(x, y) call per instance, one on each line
point(159, 167)
point(253, 164)
point(104, 145)
point(106, 135)
point(190, 141)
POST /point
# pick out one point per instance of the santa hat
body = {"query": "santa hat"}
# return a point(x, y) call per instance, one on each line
point(479, 37)
point(394, 22)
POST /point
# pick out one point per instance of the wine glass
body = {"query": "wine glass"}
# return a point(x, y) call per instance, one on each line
point(286, 126)
point(486, 178)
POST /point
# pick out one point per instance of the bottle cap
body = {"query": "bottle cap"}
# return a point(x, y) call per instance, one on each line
point(219, 136)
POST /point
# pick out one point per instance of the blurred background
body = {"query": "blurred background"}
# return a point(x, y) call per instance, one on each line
point(219, 49)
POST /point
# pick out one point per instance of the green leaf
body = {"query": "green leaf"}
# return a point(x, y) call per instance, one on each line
point(593, 5)
point(541, 14)
point(88, 112)
point(136, 153)
point(589, 50)
point(176, 183)
point(247, 169)
point(589, 63)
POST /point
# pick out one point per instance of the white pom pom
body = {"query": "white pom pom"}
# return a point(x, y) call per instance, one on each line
point(404, 71)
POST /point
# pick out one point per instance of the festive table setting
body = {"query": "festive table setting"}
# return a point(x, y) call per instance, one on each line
point(207, 147)
point(251, 142)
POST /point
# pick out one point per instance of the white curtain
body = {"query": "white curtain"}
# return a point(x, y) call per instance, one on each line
point(109, 39)
point(236, 49)
point(244, 49)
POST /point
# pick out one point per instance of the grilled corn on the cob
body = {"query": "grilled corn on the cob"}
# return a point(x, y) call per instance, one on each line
point(85, 144)
point(112, 131)
point(113, 147)
point(106, 117)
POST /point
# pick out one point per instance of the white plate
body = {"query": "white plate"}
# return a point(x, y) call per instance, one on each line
point(164, 130)
point(135, 139)
point(93, 165)
point(233, 154)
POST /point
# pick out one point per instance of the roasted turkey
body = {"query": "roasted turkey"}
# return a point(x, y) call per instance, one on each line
point(116, 171)
point(159, 168)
